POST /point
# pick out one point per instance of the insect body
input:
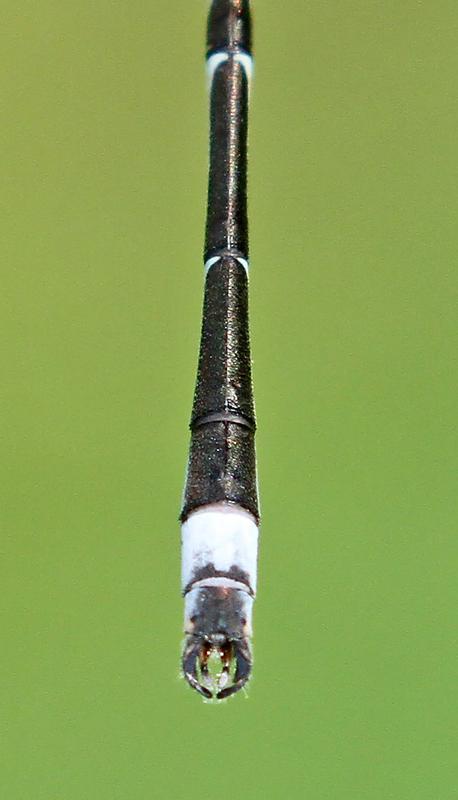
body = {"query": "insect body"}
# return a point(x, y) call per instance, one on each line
point(220, 514)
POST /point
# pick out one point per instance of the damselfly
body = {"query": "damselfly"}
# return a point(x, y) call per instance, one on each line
point(220, 514)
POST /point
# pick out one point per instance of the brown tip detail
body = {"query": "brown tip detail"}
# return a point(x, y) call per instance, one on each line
point(229, 671)
point(216, 658)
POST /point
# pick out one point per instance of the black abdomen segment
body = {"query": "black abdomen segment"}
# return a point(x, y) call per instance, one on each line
point(224, 371)
point(229, 26)
point(222, 460)
point(227, 223)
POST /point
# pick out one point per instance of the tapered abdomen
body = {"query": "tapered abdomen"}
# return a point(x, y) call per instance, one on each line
point(220, 512)
point(222, 462)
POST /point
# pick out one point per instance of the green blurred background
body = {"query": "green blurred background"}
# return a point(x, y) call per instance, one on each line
point(353, 205)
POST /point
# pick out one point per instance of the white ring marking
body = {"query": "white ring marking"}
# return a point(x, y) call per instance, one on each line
point(246, 62)
point(214, 259)
point(244, 263)
point(214, 61)
point(210, 262)
point(221, 535)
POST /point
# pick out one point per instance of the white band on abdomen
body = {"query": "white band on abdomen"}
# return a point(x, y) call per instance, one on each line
point(215, 259)
point(220, 537)
point(244, 59)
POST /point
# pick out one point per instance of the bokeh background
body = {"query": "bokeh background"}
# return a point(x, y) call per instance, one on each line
point(353, 205)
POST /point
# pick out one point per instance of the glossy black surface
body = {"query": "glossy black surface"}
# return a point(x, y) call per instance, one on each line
point(222, 461)
point(227, 222)
point(222, 467)
point(224, 371)
point(229, 25)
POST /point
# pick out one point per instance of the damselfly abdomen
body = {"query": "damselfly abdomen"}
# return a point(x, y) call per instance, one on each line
point(220, 514)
